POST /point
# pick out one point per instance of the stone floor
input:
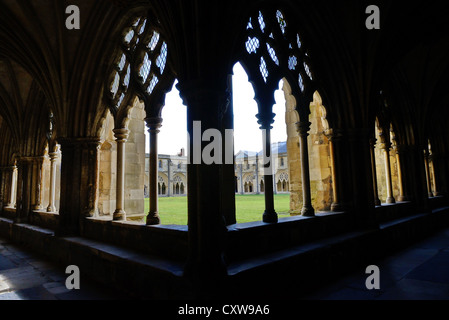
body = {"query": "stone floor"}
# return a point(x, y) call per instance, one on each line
point(420, 272)
point(25, 276)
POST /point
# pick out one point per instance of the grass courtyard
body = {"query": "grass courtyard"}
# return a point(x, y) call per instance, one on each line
point(249, 208)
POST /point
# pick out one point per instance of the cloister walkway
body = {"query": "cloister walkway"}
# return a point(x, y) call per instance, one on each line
point(420, 272)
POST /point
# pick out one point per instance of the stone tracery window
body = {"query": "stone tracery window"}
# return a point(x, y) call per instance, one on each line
point(276, 48)
point(140, 64)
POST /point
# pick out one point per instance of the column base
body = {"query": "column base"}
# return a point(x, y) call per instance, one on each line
point(51, 209)
point(431, 195)
point(119, 215)
point(153, 219)
point(403, 199)
point(308, 212)
point(37, 208)
point(337, 207)
point(391, 200)
point(377, 202)
point(270, 217)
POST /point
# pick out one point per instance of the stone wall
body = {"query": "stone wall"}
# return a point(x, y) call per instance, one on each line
point(135, 164)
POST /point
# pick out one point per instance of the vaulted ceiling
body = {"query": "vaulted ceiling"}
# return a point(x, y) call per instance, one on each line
point(44, 66)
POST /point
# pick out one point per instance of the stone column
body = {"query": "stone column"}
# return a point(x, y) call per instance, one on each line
point(435, 158)
point(79, 183)
point(37, 183)
point(154, 124)
point(52, 191)
point(11, 194)
point(333, 138)
point(121, 136)
point(402, 197)
point(93, 176)
point(385, 146)
point(374, 171)
point(303, 130)
point(428, 181)
point(24, 188)
point(206, 224)
point(270, 215)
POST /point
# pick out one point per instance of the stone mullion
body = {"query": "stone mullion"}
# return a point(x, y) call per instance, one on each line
point(154, 125)
point(52, 190)
point(121, 136)
point(270, 215)
point(334, 141)
point(428, 181)
point(374, 171)
point(438, 186)
point(386, 149)
point(402, 196)
point(303, 130)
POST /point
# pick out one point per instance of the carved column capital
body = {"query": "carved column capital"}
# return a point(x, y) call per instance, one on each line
point(303, 128)
point(121, 134)
point(154, 124)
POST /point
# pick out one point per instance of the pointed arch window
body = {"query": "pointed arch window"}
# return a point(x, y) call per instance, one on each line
point(275, 48)
point(140, 64)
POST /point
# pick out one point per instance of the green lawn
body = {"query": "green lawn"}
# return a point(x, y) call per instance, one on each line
point(249, 208)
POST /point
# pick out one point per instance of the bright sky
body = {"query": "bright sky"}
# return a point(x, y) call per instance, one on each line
point(248, 136)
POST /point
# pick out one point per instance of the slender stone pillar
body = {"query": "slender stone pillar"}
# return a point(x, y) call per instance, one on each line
point(426, 163)
point(121, 136)
point(270, 215)
point(303, 128)
point(374, 171)
point(52, 190)
point(386, 149)
point(336, 204)
point(154, 124)
point(402, 197)
point(435, 158)
point(93, 176)
point(12, 183)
